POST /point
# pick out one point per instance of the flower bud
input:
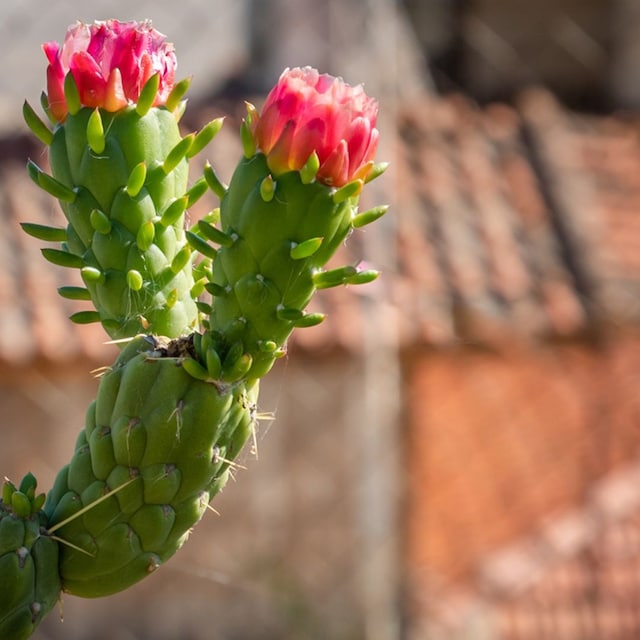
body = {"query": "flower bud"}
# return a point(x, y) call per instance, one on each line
point(110, 63)
point(308, 112)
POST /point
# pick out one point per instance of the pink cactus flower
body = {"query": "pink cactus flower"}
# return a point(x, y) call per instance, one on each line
point(110, 62)
point(307, 111)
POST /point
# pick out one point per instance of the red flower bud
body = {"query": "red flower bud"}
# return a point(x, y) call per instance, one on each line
point(309, 112)
point(110, 62)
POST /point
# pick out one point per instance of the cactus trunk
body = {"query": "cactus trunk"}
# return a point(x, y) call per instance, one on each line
point(157, 446)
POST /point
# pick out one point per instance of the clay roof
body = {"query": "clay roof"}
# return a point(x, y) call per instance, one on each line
point(510, 222)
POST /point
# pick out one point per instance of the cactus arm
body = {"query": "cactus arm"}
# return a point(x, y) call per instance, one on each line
point(30, 584)
point(122, 182)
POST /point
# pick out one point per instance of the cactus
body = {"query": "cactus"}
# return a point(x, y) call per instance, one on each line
point(178, 405)
point(120, 172)
point(156, 447)
point(292, 201)
point(30, 584)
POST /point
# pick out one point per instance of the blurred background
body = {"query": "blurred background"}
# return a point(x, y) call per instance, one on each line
point(454, 453)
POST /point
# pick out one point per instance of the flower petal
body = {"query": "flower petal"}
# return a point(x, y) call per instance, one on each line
point(89, 79)
point(133, 51)
point(309, 112)
point(334, 171)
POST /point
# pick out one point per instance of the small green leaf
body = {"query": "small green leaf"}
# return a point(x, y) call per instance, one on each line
point(44, 103)
point(38, 502)
point(204, 307)
point(181, 259)
point(146, 234)
point(20, 504)
point(289, 314)
point(63, 258)
point(172, 298)
point(100, 222)
point(349, 190)
point(267, 346)
point(92, 275)
point(216, 289)
point(28, 485)
point(248, 143)
point(363, 277)
point(218, 187)
point(214, 234)
point(214, 365)
point(198, 288)
point(268, 188)
point(177, 93)
point(201, 246)
point(148, 95)
point(74, 293)
point(71, 94)
point(49, 183)
point(310, 169)
point(37, 126)
point(177, 154)
point(85, 317)
point(136, 179)
point(334, 277)
point(377, 170)
point(196, 191)
point(305, 249)
point(8, 489)
point(135, 281)
point(173, 212)
point(309, 320)
point(205, 136)
point(95, 132)
point(43, 232)
point(234, 369)
point(369, 216)
point(195, 369)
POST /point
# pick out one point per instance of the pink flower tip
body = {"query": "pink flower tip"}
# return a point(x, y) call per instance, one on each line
point(110, 63)
point(307, 111)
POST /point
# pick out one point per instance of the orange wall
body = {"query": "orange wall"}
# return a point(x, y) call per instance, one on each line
point(498, 442)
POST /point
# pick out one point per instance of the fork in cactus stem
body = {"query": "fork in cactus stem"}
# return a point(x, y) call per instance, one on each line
point(201, 314)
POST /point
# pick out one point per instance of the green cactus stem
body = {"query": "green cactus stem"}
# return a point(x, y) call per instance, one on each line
point(271, 247)
point(29, 579)
point(158, 444)
point(122, 181)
